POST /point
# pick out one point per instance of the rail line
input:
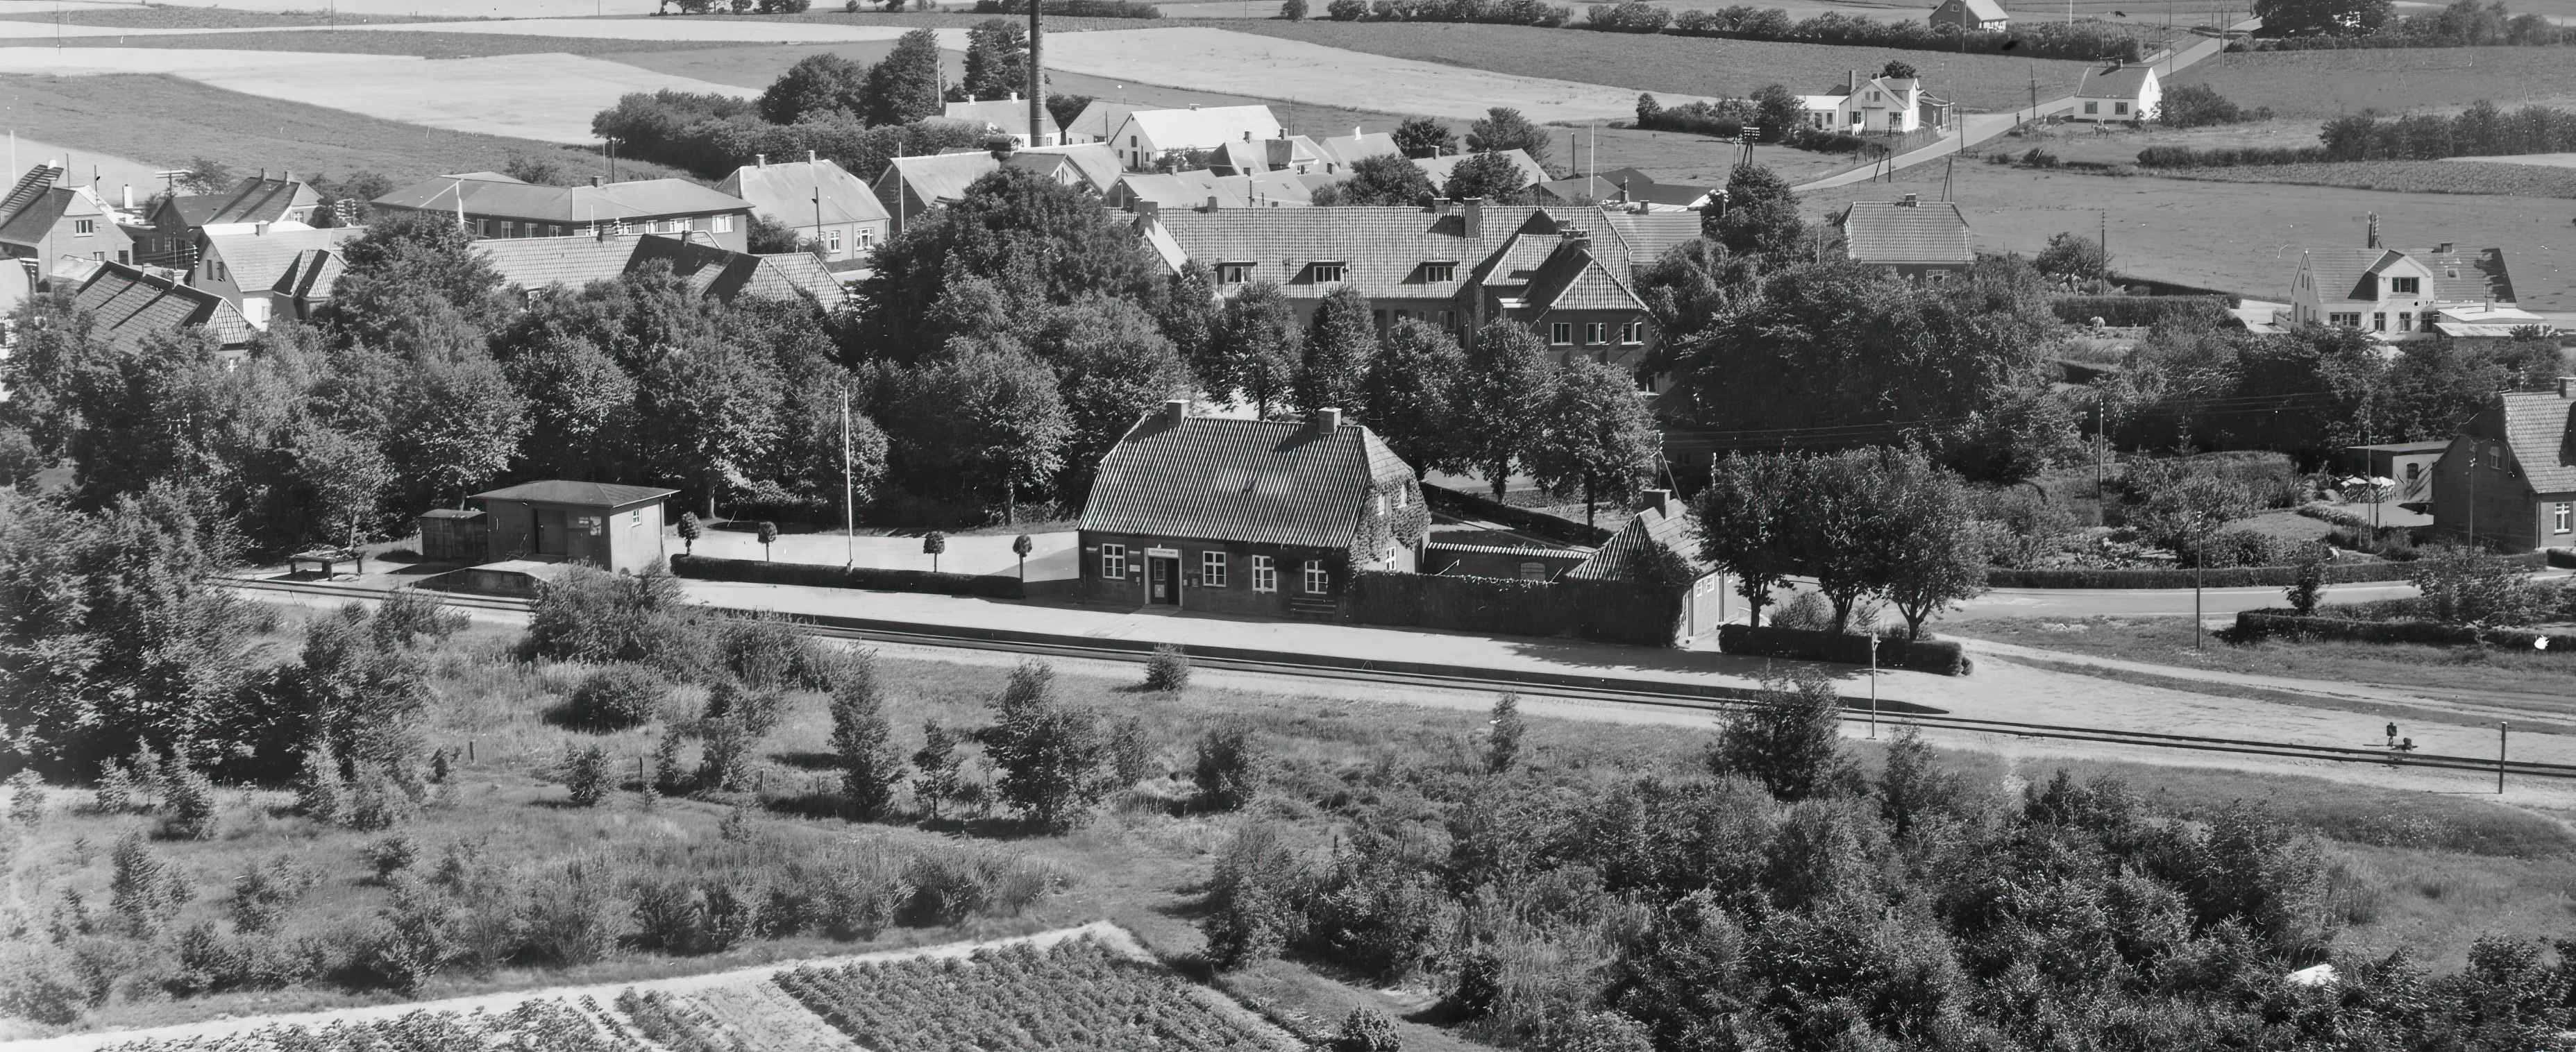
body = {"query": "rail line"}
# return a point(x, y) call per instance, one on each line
point(1700, 697)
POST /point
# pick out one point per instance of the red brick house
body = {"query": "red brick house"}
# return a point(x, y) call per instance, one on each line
point(1258, 517)
point(2509, 478)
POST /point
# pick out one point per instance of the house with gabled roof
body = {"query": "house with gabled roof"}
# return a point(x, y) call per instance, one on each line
point(1663, 522)
point(1924, 241)
point(1202, 189)
point(246, 269)
point(1147, 136)
point(1438, 169)
point(497, 206)
point(44, 221)
point(1008, 117)
point(535, 265)
point(129, 306)
point(1871, 105)
point(306, 286)
point(1340, 152)
point(2118, 92)
point(175, 222)
point(819, 200)
point(1970, 15)
point(1255, 517)
point(1628, 186)
point(2508, 480)
point(913, 186)
point(1097, 120)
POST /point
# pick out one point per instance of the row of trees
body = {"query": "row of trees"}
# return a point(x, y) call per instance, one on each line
point(1867, 523)
point(2300, 24)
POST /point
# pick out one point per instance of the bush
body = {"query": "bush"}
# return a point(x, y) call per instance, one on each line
point(262, 893)
point(1071, 8)
point(1255, 899)
point(571, 916)
point(699, 567)
point(2127, 311)
point(1346, 10)
point(585, 772)
point(1168, 670)
point(190, 799)
point(2187, 157)
point(1937, 656)
point(2464, 587)
point(390, 855)
point(687, 920)
point(2230, 548)
point(1367, 1029)
point(1228, 769)
point(755, 709)
point(2199, 106)
point(1628, 16)
point(1789, 740)
point(1293, 10)
point(613, 699)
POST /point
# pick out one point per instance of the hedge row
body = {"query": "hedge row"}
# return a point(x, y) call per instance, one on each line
point(2127, 311)
point(758, 571)
point(2187, 157)
point(2230, 577)
point(1469, 505)
point(2263, 624)
point(1601, 611)
point(1937, 656)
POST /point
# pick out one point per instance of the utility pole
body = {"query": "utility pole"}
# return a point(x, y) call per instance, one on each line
point(1037, 78)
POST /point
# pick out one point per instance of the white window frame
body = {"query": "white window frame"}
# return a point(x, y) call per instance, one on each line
point(1633, 333)
point(84, 227)
point(1211, 569)
point(1597, 332)
point(724, 224)
point(1233, 273)
point(2406, 321)
point(2379, 321)
point(2562, 517)
point(1265, 573)
point(1319, 580)
point(1560, 334)
point(2094, 108)
point(2405, 286)
point(1113, 562)
point(832, 242)
point(1439, 272)
point(1328, 273)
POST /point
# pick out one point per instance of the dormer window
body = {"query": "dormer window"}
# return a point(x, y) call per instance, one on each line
point(1439, 272)
point(1233, 273)
point(1325, 273)
point(2404, 286)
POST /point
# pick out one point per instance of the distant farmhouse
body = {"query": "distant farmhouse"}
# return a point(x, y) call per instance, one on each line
point(498, 206)
point(1926, 241)
point(2509, 479)
point(1873, 105)
point(818, 199)
point(2397, 295)
point(912, 186)
point(1567, 272)
point(1261, 517)
point(2118, 92)
point(1970, 15)
point(1008, 117)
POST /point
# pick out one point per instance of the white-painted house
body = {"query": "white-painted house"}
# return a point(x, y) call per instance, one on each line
point(1881, 105)
point(1147, 135)
point(2118, 92)
point(2398, 295)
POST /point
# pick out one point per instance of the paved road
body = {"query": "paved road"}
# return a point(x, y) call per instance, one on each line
point(1978, 128)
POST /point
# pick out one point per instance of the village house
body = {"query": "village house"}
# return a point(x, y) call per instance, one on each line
point(2118, 92)
point(1254, 517)
point(1147, 136)
point(1439, 168)
point(1663, 522)
point(47, 223)
point(174, 223)
point(2508, 480)
point(912, 186)
point(1970, 15)
point(307, 285)
point(1098, 119)
point(819, 200)
point(1925, 241)
point(250, 270)
point(534, 265)
point(498, 206)
point(1567, 273)
point(1628, 186)
point(1008, 117)
point(1872, 105)
point(2408, 465)
point(129, 307)
point(1138, 191)
point(2398, 295)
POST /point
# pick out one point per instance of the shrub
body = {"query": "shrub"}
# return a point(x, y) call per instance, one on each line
point(724, 757)
point(1503, 741)
point(1168, 670)
point(1805, 612)
point(571, 916)
point(2309, 580)
point(700, 567)
point(769, 653)
point(320, 793)
point(613, 699)
point(1048, 754)
point(1789, 740)
point(585, 772)
point(26, 798)
point(378, 799)
point(1131, 752)
point(945, 888)
point(143, 891)
point(36, 984)
point(262, 893)
point(2465, 587)
point(1367, 1029)
point(864, 742)
point(2132, 311)
point(857, 897)
point(406, 944)
point(1346, 10)
point(2199, 105)
point(1628, 16)
point(392, 854)
point(190, 800)
point(409, 615)
point(2242, 548)
point(687, 920)
point(756, 710)
point(1254, 900)
point(1229, 768)
point(1293, 10)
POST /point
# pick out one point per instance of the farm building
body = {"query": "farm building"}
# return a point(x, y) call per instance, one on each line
point(497, 206)
point(818, 199)
point(1148, 135)
point(1567, 272)
point(1662, 522)
point(1007, 117)
point(1925, 241)
point(250, 269)
point(1098, 119)
point(598, 524)
point(2507, 481)
point(2119, 92)
point(1260, 517)
point(1970, 15)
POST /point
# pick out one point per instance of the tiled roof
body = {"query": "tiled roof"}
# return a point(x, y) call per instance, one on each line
point(1676, 530)
point(259, 199)
point(1644, 236)
point(1383, 248)
point(1891, 234)
point(1192, 189)
point(1258, 481)
point(570, 205)
point(1347, 150)
point(539, 262)
point(1098, 118)
point(945, 177)
point(1201, 128)
point(1438, 168)
point(2541, 428)
point(784, 193)
point(1627, 185)
point(1574, 279)
point(783, 275)
point(35, 219)
point(2482, 275)
point(1984, 10)
point(1009, 115)
point(709, 270)
point(1242, 157)
point(312, 275)
point(2339, 272)
point(257, 261)
point(565, 491)
point(2117, 82)
point(129, 305)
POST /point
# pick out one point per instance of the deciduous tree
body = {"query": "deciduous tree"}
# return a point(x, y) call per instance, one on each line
point(1596, 436)
point(1382, 180)
point(1339, 348)
point(1503, 128)
point(1047, 753)
point(1411, 395)
point(817, 84)
point(1490, 176)
point(904, 86)
point(1256, 345)
point(1506, 389)
point(1424, 137)
point(1747, 522)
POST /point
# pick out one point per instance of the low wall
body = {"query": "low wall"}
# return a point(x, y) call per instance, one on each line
point(1937, 656)
point(1602, 611)
point(703, 568)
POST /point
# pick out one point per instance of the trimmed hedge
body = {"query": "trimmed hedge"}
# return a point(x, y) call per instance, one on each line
point(1601, 611)
point(2224, 577)
point(2131, 311)
point(1937, 656)
point(2562, 558)
point(2264, 624)
point(1469, 505)
point(871, 578)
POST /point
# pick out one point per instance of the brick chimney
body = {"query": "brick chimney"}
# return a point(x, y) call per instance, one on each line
point(1474, 210)
point(2567, 387)
point(259, 229)
point(1909, 202)
point(760, 160)
point(1328, 421)
point(1659, 501)
point(1149, 209)
point(1175, 411)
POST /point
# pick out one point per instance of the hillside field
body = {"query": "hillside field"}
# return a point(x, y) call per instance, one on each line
point(2321, 84)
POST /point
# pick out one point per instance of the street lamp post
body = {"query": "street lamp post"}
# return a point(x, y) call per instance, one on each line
point(1873, 688)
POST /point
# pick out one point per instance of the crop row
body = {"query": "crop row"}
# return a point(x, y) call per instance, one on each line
point(534, 1026)
point(676, 1024)
point(1078, 995)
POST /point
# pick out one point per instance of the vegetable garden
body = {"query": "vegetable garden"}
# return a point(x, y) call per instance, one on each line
point(1078, 995)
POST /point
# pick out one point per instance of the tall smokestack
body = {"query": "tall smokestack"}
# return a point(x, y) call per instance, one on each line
point(1037, 80)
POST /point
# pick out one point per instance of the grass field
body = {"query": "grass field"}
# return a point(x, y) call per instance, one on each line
point(2242, 241)
point(2325, 83)
point(167, 16)
point(424, 43)
point(167, 121)
point(2414, 177)
point(1679, 64)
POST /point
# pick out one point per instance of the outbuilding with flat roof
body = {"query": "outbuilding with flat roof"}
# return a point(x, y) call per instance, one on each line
point(600, 524)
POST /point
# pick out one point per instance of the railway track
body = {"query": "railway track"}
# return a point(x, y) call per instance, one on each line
point(1699, 697)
